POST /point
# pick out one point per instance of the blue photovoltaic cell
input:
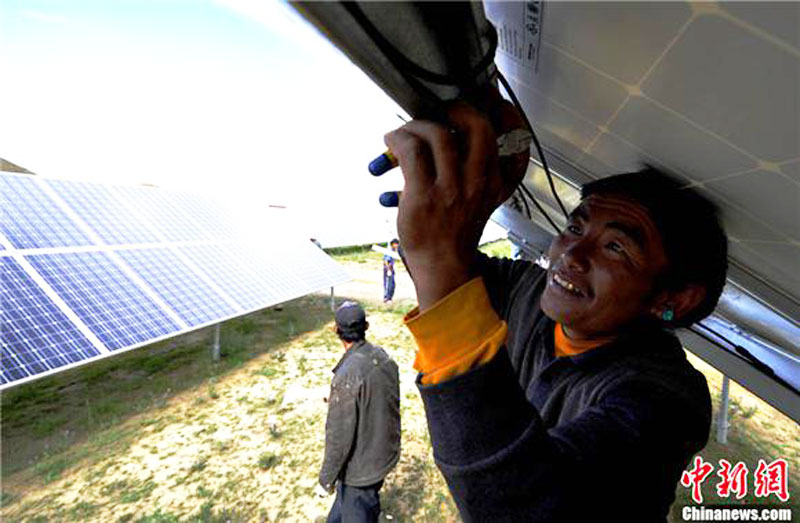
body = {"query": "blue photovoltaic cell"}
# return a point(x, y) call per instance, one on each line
point(273, 272)
point(290, 270)
point(231, 274)
point(209, 215)
point(103, 213)
point(110, 304)
point(176, 284)
point(163, 210)
point(37, 336)
point(313, 269)
point(31, 219)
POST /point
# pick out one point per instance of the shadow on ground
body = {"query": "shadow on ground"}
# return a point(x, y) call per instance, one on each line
point(47, 417)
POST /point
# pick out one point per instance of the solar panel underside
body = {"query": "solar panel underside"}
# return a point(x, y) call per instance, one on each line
point(91, 270)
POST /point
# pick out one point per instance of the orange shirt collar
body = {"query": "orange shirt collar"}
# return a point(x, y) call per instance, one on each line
point(568, 347)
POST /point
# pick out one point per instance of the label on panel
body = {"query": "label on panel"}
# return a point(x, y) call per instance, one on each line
point(519, 29)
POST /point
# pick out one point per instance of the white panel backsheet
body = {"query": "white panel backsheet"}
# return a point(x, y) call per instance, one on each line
point(710, 91)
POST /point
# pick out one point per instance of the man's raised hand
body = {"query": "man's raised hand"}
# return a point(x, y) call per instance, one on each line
point(454, 180)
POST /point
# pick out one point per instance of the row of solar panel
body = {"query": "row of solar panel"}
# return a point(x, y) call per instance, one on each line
point(37, 214)
point(199, 284)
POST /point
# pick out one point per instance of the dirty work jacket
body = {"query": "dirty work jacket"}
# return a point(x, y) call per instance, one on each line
point(362, 433)
point(601, 436)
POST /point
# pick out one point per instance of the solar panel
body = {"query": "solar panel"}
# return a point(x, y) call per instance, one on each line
point(37, 335)
point(232, 273)
point(104, 298)
point(107, 216)
point(162, 209)
point(89, 270)
point(32, 219)
point(194, 301)
point(681, 99)
point(211, 217)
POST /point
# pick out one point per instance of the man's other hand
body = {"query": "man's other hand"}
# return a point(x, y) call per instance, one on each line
point(322, 492)
point(454, 180)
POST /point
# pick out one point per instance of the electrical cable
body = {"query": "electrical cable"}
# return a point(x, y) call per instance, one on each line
point(742, 353)
point(412, 72)
point(524, 200)
point(401, 61)
point(539, 150)
point(527, 192)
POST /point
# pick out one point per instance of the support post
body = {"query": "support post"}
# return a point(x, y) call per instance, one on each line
point(215, 352)
point(722, 416)
point(333, 302)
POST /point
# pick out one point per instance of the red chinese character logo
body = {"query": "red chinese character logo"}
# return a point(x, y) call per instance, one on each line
point(732, 479)
point(772, 479)
point(695, 477)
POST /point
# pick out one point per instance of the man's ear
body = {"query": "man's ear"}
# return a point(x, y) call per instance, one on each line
point(680, 302)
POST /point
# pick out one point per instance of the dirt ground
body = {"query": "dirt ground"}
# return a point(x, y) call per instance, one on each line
point(247, 445)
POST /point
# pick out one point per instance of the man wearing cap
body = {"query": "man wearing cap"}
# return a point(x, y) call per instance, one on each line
point(362, 432)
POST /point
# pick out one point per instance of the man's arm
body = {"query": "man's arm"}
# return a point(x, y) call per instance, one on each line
point(340, 430)
point(502, 464)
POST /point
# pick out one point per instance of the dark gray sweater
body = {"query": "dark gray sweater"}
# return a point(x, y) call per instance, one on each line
point(602, 436)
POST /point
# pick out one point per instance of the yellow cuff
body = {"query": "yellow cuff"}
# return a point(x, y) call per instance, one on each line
point(460, 332)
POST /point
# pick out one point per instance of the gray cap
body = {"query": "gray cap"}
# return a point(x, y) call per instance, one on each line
point(350, 316)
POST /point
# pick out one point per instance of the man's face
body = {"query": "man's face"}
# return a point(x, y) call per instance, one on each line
point(603, 267)
point(394, 246)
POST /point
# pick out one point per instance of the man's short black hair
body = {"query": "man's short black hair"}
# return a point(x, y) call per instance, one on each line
point(695, 244)
point(394, 240)
point(352, 335)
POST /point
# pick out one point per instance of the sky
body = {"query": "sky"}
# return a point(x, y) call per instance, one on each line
point(241, 99)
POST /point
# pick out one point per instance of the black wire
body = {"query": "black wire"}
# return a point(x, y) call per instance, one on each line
point(743, 354)
point(524, 201)
point(540, 208)
point(715, 333)
point(539, 151)
point(407, 67)
point(402, 62)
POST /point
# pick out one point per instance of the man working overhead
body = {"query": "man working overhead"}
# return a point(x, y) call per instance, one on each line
point(559, 394)
point(362, 432)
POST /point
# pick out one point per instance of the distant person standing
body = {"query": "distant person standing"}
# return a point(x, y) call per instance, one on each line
point(388, 272)
point(362, 432)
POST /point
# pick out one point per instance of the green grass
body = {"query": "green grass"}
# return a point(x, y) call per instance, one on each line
point(158, 517)
point(82, 511)
point(96, 405)
point(7, 498)
point(53, 414)
point(199, 465)
point(50, 469)
point(139, 490)
point(267, 372)
point(267, 460)
point(356, 254)
point(497, 249)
